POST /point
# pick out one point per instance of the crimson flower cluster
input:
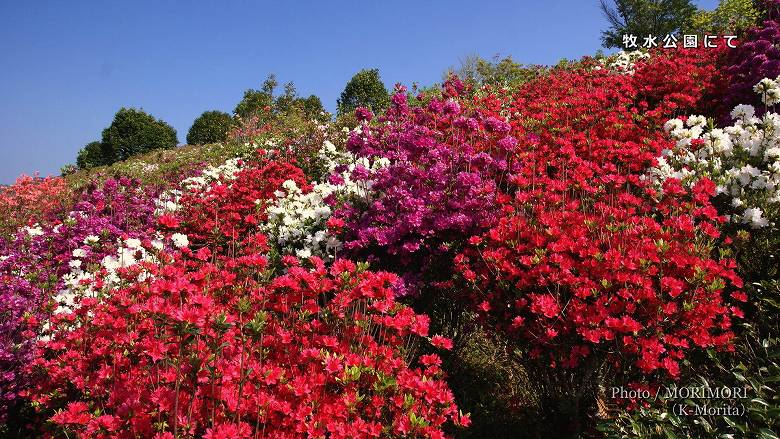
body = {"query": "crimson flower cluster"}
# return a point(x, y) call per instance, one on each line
point(211, 349)
point(213, 341)
point(226, 211)
point(585, 257)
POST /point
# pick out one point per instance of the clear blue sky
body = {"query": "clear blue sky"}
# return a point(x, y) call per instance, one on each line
point(67, 66)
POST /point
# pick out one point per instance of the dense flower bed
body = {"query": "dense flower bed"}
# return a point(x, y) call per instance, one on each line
point(585, 259)
point(42, 262)
point(211, 349)
point(582, 217)
point(27, 199)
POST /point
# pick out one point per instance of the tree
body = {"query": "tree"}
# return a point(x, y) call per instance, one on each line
point(313, 109)
point(732, 17)
point(135, 132)
point(365, 89)
point(90, 156)
point(210, 127)
point(256, 100)
point(496, 72)
point(263, 104)
point(643, 17)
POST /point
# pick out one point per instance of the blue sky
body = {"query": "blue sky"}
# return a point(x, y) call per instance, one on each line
point(67, 66)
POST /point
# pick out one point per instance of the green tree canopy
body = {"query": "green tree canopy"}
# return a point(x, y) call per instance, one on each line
point(731, 17)
point(643, 18)
point(312, 108)
point(135, 132)
point(254, 101)
point(497, 72)
point(365, 89)
point(210, 127)
point(265, 105)
point(90, 156)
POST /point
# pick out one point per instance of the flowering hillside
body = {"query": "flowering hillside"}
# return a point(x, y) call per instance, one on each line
point(598, 226)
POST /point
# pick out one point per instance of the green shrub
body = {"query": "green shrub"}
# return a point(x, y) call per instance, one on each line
point(731, 17)
point(210, 127)
point(263, 105)
point(365, 89)
point(135, 132)
point(68, 169)
point(90, 155)
point(256, 101)
point(501, 72)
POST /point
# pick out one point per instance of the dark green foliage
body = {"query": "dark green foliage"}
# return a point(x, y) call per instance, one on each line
point(90, 156)
point(210, 127)
point(255, 101)
point(643, 18)
point(490, 383)
point(265, 106)
point(313, 109)
point(135, 132)
point(365, 89)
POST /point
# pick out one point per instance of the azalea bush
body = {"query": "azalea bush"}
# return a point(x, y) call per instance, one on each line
point(755, 59)
point(570, 270)
point(438, 187)
point(299, 220)
point(28, 199)
point(211, 349)
point(742, 158)
point(223, 212)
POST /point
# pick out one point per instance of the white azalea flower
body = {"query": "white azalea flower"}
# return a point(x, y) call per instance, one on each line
point(91, 239)
point(180, 240)
point(743, 160)
point(696, 121)
point(673, 125)
point(110, 263)
point(157, 244)
point(127, 257)
point(35, 230)
point(754, 217)
point(743, 112)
